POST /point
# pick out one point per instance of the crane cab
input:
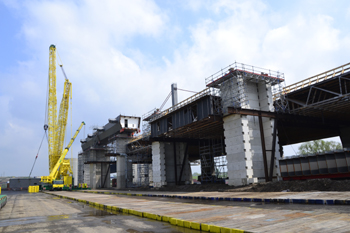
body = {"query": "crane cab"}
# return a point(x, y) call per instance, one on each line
point(62, 184)
point(57, 184)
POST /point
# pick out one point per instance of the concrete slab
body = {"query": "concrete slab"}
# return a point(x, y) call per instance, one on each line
point(39, 212)
point(339, 198)
point(251, 219)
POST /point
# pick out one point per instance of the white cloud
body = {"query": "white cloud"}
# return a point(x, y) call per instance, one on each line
point(304, 45)
point(111, 76)
point(90, 23)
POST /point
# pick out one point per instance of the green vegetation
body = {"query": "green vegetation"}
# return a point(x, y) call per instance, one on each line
point(195, 175)
point(318, 146)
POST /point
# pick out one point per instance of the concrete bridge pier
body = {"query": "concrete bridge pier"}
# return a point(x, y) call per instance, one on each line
point(167, 162)
point(243, 137)
point(121, 172)
point(95, 170)
point(158, 164)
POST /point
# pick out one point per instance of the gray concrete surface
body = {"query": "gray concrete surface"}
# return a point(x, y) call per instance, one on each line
point(343, 196)
point(246, 216)
point(40, 212)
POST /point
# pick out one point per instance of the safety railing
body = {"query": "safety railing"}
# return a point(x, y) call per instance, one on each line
point(244, 67)
point(316, 78)
point(139, 137)
point(157, 114)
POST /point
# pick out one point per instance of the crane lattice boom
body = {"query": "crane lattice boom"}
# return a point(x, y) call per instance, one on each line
point(57, 126)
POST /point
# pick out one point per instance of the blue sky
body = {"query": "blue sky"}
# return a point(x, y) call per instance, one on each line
point(122, 56)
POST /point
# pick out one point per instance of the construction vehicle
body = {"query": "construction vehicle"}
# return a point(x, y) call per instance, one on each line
point(56, 126)
point(58, 179)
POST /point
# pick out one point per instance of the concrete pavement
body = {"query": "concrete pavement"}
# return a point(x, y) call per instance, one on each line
point(223, 218)
point(330, 198)
point(39, 212)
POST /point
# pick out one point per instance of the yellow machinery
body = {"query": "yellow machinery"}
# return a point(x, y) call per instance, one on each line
point(56, 127)
point(56, 174)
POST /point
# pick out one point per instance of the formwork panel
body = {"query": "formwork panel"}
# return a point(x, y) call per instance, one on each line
point(322, 164)
point(290, 165)
point(314, 165)
point(347, 156)
point(283, 168)
point(332, 165)
point(305, 166)
point(341, 162)
point(297, 167)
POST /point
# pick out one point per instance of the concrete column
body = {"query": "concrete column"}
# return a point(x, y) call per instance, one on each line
point(243, 139)
point(105, 176)
point(80, 168)
point(187, 171)
point(96, 173)
point(170, 163)
point(158, 164)
point(92, 176)
point(87, 174)
point(238, 150)
point(129, 174)
point(121, 145)
point(150, 174)
point(92, 169)
point(74, 167)
point(135, 178)
point(121, 172)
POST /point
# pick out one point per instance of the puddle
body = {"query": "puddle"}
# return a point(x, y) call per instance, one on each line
point(98, 212)
point(57, 217)
point(31, 220)
point(136, 231)
point(21, 221)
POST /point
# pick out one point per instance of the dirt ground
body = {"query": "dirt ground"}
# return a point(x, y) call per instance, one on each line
point(279, 186)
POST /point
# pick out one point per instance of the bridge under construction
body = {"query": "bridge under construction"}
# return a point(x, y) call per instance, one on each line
point(235, 129)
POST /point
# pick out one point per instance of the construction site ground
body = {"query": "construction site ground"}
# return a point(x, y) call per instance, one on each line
point(278, 186)
point(137, 211)
point(244, 215)
point(40, 212)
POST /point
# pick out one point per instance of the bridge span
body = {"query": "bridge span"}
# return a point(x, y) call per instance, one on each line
point(235, 129)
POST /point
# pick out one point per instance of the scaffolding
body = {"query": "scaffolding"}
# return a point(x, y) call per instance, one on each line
point(146, 118)
point(139, 151)
point(213, 161)
point(141, 174)
point(220, 167)
point(231, 83)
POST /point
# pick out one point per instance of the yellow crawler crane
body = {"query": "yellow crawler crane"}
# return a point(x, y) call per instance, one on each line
point(57, 126)
point(54, 180)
